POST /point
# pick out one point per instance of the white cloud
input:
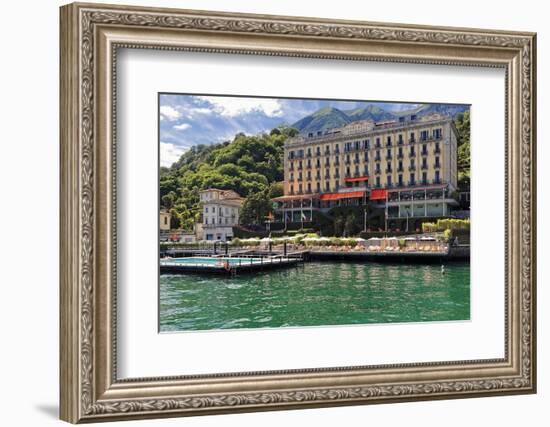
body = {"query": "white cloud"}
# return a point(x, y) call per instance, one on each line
point(170, 153)
point(182, 126)
point(170, 113)
point(234, 106)
point(192, 111)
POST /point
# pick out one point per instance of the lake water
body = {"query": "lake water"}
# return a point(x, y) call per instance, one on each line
point(316, 294)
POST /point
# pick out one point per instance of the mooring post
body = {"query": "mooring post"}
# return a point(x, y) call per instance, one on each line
point(284, 248)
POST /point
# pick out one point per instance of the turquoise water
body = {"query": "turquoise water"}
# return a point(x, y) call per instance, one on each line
point(316, 294)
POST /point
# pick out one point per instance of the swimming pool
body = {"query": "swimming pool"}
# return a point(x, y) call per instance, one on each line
point(213, 262)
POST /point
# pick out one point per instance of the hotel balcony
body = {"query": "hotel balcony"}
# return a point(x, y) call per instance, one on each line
point(437, 150)
point(424, 167)
point(399, 155)
point(388, 170)
point(412, 153)
point(424, 152)
point(412, 167)
point(437, 165)
point(377, 158)
point(388, 156)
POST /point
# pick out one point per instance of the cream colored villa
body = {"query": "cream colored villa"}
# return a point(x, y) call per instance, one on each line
point(407, 166)
point(220, 213)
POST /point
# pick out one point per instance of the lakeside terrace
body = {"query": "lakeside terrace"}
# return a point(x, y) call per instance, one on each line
point(399, 203)
point(418, 248)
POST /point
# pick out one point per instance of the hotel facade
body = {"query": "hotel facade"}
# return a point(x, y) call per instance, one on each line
point(407, 167)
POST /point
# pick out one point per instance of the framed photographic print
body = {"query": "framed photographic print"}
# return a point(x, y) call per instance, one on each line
point(266, 212)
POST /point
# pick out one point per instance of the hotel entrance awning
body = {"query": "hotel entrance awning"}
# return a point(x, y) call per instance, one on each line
point(378, 194)
point(357, 179)
point(338, 196)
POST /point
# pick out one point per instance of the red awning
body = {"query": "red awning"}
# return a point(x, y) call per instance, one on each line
point(338, 196)
point(357, 179)
point(378, 194)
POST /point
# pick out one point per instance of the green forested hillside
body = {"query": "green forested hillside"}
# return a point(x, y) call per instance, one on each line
point(462, 122)
point(249, 165)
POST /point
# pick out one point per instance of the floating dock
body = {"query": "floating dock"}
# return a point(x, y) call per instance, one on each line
point(225, 265)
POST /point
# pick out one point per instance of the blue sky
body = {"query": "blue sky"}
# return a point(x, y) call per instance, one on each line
point(187, 120)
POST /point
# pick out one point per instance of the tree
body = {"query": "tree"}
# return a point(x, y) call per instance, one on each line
point(350, 225)
point(256, 208)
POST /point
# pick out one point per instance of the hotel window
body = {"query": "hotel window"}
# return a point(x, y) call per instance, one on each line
point(309, 187)
point(318, 164)
point(388, 180)
point(292, 176)
point(377, 170)
point(327, 173)
point(366, 156)
point(412, 152)
point(337, 173)
point(347, 172)
point(165, 220)
point(206, 220)
point(400, 139)
point(318, 151)
point(437, 162)
point(336, 185)
point(327, 186)
point(206, 209)
point(356, 170)
point(400, 166)
point(377, 157)
point(213, 209)
point(300, 189)
point(357, 145)
point(356, 157)
point(337, 148)
point(367, 144)
point(327, 149)
point(388, 141)
point(411, 179)
point(318, 187)
point(437, 149)
point(347, 147)
point(291, 189)
point(437, 177)
point(424, 135)
point(378, 181)
point(412, 137)
point(291, 155)
point(437, 133)
point(309, 152)
point(424, 149)
point(377, 142)
point(424, 163)
point(400, 180)
point(388, 154)
point(424, 177)
point(388, 167)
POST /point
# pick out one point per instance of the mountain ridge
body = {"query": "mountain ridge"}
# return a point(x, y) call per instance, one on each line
point(331, 117)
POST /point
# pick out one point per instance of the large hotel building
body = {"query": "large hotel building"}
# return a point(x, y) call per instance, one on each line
point(407, 167)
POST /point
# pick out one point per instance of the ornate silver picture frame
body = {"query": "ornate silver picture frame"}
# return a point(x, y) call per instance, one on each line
point(91, 34)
